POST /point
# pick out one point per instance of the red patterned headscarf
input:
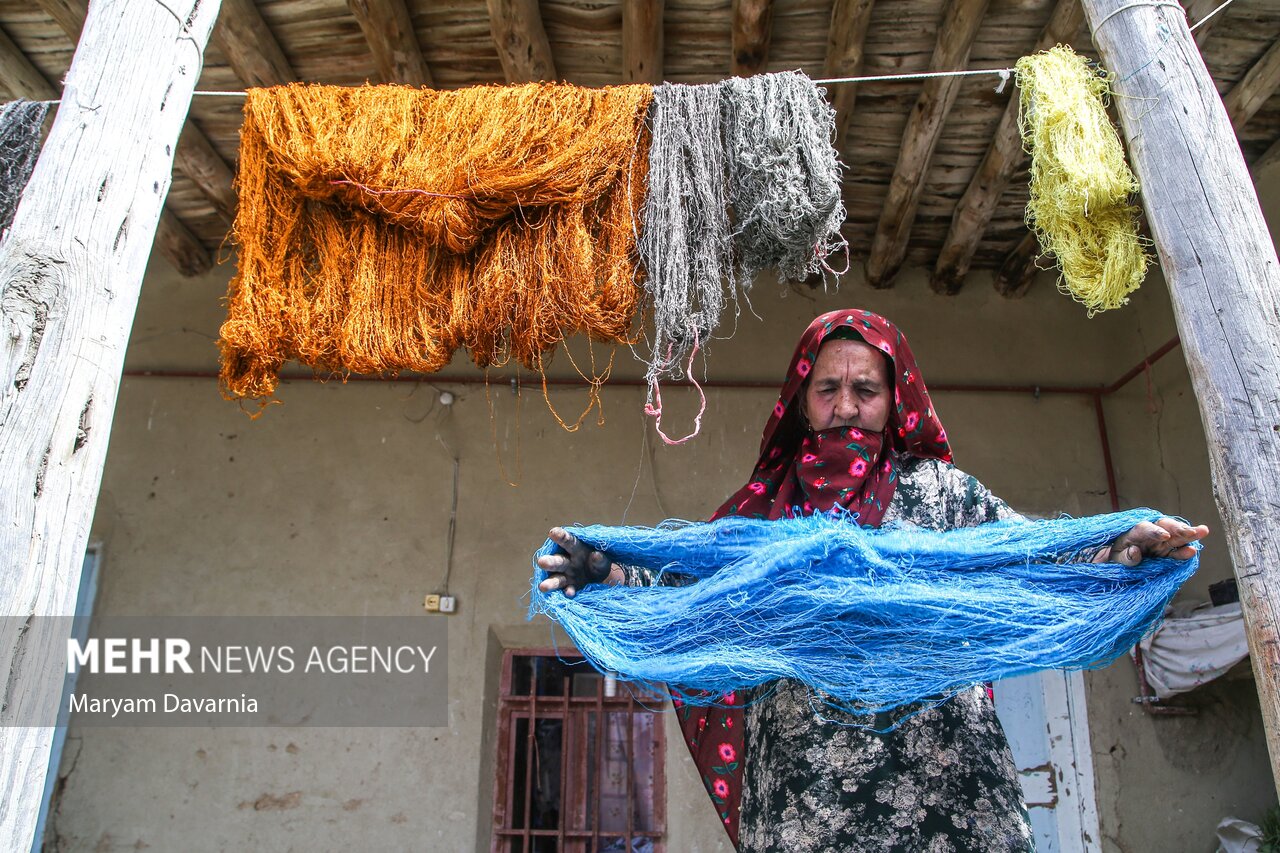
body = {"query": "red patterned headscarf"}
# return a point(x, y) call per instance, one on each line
point(800, 471)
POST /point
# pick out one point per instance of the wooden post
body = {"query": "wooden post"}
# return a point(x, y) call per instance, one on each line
point(1224, 280)
point(70, 274)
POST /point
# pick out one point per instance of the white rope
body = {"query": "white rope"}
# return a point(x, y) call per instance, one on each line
point(1135, 4)
point(1221, 6)
point(1003, 73)
point(923, 75)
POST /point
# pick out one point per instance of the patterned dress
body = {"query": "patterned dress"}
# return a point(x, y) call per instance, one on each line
point(817, 779)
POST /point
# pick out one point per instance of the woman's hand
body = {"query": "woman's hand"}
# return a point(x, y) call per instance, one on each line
point(1166, 537)
point(578, 566)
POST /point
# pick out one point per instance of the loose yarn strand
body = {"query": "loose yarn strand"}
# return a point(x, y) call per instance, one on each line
point(654, 409)
point(872, 619)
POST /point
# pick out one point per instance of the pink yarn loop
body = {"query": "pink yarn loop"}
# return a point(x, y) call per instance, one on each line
point(654, 409)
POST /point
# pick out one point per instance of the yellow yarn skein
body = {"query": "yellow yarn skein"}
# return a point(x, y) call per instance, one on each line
point(1081, 186)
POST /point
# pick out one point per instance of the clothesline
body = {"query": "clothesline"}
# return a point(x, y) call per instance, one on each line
point(1003, 73)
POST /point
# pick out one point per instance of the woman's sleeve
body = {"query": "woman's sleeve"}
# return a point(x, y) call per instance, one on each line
point(969, 503)
point(637, 576)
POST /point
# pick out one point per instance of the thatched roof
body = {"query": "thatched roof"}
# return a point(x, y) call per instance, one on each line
point(455, 43)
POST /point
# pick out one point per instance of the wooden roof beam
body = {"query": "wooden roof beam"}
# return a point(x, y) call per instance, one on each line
point(752, 31)
point(978, 204)
point(1019, 268)
point(642, 42)
point(195, 156)
point(388, 29)
point(251, 48)
point(850, 20)
point(1254, 89)
point(521, 40)
point(179, 246)
point(956, 33)
point(22, 79)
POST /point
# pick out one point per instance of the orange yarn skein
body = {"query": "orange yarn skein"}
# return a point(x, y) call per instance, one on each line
point(380, 228)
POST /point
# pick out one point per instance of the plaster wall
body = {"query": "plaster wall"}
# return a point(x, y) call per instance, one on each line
point(337, 502)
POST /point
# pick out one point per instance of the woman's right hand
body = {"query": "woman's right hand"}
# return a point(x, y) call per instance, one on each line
point(577, 566)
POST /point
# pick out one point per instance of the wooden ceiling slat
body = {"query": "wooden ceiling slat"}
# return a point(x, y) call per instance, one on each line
point(20, 76)
point(195, 156)
point(752, 29)
point(642, 44)
point(850, 20)
point(956, 34)
point(388, 29)
point(1004, 156)
point(250, 46)
point(521, 40)
point(1254, 89)
point(68, 14)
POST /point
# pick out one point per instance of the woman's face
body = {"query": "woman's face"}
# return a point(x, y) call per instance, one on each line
point(848, 386)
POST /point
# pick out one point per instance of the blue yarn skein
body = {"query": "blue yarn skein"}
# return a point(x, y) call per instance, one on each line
point(875, 618)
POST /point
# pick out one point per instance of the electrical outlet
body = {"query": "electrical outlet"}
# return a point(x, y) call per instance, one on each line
point(448, 604)
point(431, 603)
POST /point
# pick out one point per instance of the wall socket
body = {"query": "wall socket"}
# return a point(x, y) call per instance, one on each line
point(440, 603)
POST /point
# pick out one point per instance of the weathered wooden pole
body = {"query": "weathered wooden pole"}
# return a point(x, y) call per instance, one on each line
point(70, 274)
point(1224, 280)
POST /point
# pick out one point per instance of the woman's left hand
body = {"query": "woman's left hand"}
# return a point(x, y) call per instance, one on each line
point(1166, 537)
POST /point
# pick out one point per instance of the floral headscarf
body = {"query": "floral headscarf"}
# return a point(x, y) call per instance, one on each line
point(800, 471)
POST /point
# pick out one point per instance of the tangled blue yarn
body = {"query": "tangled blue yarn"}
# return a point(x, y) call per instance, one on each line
point(873, 618)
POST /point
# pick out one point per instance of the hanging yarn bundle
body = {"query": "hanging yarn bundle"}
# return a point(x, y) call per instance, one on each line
point(784, 176)
point(743, 176)
point(872, 618)
point(684, 240)
point(380, 228)
point(20, 125)
point(1080, 183)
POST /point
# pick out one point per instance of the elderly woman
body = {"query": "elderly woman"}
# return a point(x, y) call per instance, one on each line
point(854, 427)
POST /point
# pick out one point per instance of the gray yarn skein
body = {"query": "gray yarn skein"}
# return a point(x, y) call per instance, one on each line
point(685, 242)
point(784, 176)
point(20, 126)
